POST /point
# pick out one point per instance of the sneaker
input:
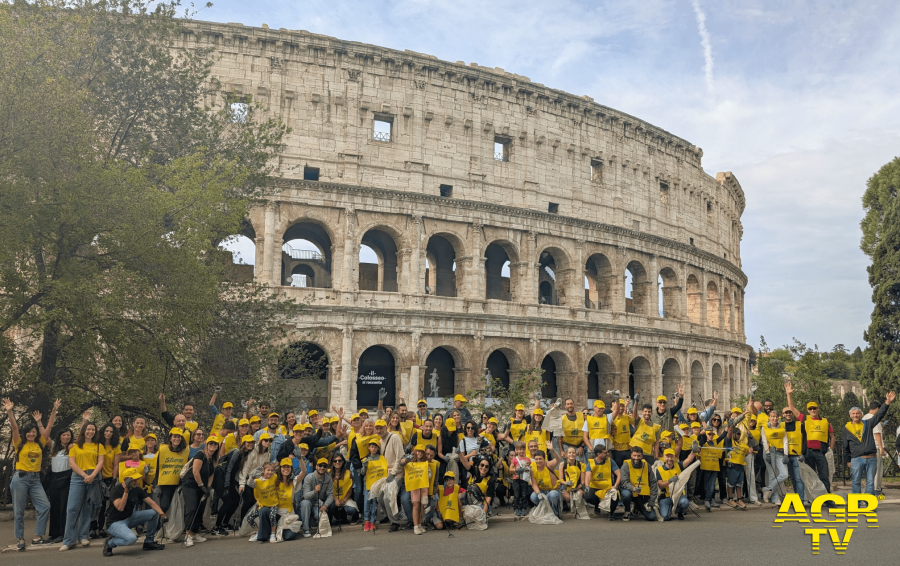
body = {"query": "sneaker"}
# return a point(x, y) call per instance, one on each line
point(394, 528)
point(306, 534)
point(372, 526)
point(272, 538)
point(366, 526)
point(85, 542)
point(741, 505)
point(188, 540)
point(418, 530)
point(20, 545)
point(198, 538)
point(767, 496)
point(57, 540)
point(708, 506)
point(626, 517)
point(39, 541)
point(64, 548)
point(612, 516)
point(659, 516)
point(680, 516)
point(107, 551)
point(254, 537)
point(153, 545)
point(731, 503)
point(94, 534)
point(715, 505)
point(102, 533)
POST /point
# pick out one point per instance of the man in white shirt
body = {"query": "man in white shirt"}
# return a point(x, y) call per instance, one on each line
point(878, 435)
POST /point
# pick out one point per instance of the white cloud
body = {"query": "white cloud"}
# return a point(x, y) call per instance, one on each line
point(705, 43)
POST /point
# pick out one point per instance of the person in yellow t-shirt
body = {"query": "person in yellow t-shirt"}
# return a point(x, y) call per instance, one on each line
point(667, 474)
point(374, 468)
point(544, 481)
point(601, 475)
point(621, 429)
point(111, 447)
point(265, 490)
point(447, 515)
point(646, 432)
point(738, 450)
point(86, 461)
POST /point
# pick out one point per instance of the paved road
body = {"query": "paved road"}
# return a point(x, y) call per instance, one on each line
point(737, 537)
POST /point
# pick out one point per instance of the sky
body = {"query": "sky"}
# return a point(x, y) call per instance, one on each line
point(798, 99)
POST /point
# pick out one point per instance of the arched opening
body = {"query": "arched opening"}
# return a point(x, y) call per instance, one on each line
point(694, 299)
point(636, 288)
point(639, 376)
point(498, 277)
point(729, 320)
point(717, 378)
point(712, 304)
point(551, 364)
point(698, 383)
point(378, 262)
point(243, 258)
point(598, 282)
point(601, 378)
point(669, 292)
point(440, 373)
point(548, 288)
point(376, 370)
point(671, 377)
point(302, 275)
point(440, 267)
point(305, 365)
point(498, 367)
point(306, 244)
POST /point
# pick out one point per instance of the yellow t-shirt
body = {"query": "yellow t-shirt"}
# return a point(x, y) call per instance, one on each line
point(266, 492)
point(150, 460)
point(230, 443)
point(85, 458)
point(709, 457)
point(191, 426)
point(135, 442)
point(31, 455)
point(142, 467)
point(109, 457)
point(285, 495)
point(406, 430)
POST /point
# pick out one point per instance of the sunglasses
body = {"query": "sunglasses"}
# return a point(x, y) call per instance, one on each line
point(787, 413)
point(485, 466)
point(320, 465)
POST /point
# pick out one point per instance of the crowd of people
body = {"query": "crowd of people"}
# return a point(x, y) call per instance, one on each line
point(259, 471)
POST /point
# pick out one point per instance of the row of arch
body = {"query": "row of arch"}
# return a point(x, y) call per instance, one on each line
point(377, 366)
point(307, 258)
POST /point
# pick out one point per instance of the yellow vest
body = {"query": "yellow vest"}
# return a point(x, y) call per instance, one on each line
point(375, 470)
point(601, 475)
point(232, 442)
point(597, 428)
point(169, 465)
point(755, 434)
point(686, 442)
point(645, 436)
point(448, 505)
point(542, 436)
point(31, 456)
point(571, 472)
point(795, 440)
point(141, 467)
point(709, 458)
point(669, 475)
point(150, 460)
point(190, 426)
point(266, 492)
point(483, 484)
point(432, 473)
point(86, 458)
point(219, 422)
point(774, 436)
point(416, 475)
point(517, 430)
point(622, 434)
point(343, 485)
point(406, 430)
point(640, 478)
point(816, 429)
point(572, 429)
point(544, 478)
point(855, 429)
point(135, 442)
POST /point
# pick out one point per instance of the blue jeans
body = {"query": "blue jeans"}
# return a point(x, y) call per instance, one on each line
point(370, 512)
point(860, 467)
point(777, 473)
point(120, 533)
point(794, 471)
point(665, 506)
point(552, 497)
point(78, 511)
point(305, 507)
point(21, 487)
point(268, 522)
point(359, 490)
point(709, 477)
point(640, 501)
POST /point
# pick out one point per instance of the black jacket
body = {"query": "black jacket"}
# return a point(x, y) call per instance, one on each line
point(854, 447)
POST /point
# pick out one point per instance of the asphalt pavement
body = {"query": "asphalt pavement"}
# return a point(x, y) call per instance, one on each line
point(730, 536)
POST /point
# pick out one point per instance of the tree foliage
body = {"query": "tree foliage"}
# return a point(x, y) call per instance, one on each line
point(503, 401)
point(121, 169)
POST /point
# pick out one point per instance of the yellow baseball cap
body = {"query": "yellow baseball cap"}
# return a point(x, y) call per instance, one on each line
point(662, 398)
point(737, 410)
point(303, 447)
point(287, 462)
point(460, 398)
point(254, 419)
point(450, 424)
point(151, 435)
point(213, 439)
point(668, 451)
point(599, 404)
point(684, 426)
point(176, 432)
point(374, 440)
point(520, 407)
point(297, 427)
point(420, 447)
point(422, 402)
point(354, 416)
point(131, 473)
point(243, 422)
point(812, 405)
point(380, 422)
point(265, 436)
point(247, 438)
point(449, 475)
point(313, 413)
point(305, 426)
point(623, 402)
point(692, 411)
point(364, 411)
point(696, 424)
point(538, 412)
point(273, 415)
point(666, 434)
point(322, 461)
point(493, 420)
point(228, 405)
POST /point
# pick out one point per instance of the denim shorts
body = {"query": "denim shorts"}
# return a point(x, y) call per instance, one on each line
point(735, 475)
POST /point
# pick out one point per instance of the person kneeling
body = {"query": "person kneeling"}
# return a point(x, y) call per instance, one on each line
point(637, 486)
point(121, 516)
point(666, 475)
point(449, 495)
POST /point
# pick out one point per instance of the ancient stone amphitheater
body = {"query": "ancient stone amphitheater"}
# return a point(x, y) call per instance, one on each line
point(504, 225)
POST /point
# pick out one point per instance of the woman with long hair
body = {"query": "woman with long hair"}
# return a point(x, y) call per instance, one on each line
point(86, 460)
point(470, 444)
point(111, 448)
point(343, 490)
point(230, 500)
point(60, 479)
point(170, 459)
point(151, 446)
point(26, 481)
point(357, 450)
point(134, 437)
point(535, 431)
point(252, 462)
point(195, 486)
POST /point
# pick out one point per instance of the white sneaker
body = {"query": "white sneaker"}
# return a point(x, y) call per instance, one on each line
point(64, 548)
point(272, 538)
point(767, 496)
point(419, 530)
point(189, 540)
point(253, 538)
point(198, 538)
point(86, 542)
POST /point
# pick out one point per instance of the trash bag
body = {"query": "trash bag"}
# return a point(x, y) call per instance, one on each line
point(453, 464)
point(375, 492)
point(208, 521)
point(611, 495)
point(580, 509)
point(246, 527)
point(829, 457)
point(173, 530)
point(324, 526)
point(389, 494)
point(290, 522)
point(684, 477)
point(542, 514)
point(351, 504)
point(475, 518)
point(553, 419)
point(812, 485)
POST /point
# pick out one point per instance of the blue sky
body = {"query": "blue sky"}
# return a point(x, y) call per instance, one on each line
point(799, 99)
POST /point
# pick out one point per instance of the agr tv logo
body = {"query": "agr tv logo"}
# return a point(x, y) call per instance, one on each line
point(857, 505)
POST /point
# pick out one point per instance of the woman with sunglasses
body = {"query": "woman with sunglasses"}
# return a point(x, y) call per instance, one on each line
point(535, 431)
point(198, 440)
point(481, 476)
point(470, 444)
point(343, 491)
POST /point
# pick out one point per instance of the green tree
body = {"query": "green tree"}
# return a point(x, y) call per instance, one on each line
point(881, 242)
point(122, 167)
point(504, 400)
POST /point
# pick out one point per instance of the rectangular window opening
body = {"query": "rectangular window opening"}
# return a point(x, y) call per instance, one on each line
point(310, 173)
point(636, 225)
point(446, 190)
point(501, 149)
point(596, 170)
point(553, 208)
point(383, 128)
point(239, 111)
point(692, 241)
point(664, 192)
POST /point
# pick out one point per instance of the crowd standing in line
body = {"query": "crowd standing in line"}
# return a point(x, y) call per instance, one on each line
point(280, 476)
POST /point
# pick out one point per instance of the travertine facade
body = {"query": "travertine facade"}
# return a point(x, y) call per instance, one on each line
point(492, 203)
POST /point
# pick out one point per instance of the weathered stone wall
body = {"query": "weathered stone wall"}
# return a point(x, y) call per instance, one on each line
point(628, 196)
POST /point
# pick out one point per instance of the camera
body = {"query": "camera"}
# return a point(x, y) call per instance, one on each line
point(129, 483)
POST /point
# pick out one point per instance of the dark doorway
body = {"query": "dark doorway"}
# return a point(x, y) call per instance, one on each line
point(376, 369)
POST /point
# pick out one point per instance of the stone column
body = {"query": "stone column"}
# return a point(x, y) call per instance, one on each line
point(575, 290)
point(416, 267)
point(721, 303)
point(618, 291)
point(475, 286)
point(528, 276)
point(350, 260)
point(703, 305)
point(269, 249)
point(624, 362)
point(653, 275)
point(348, 375)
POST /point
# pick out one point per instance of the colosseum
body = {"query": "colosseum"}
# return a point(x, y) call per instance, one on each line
point(501, 224)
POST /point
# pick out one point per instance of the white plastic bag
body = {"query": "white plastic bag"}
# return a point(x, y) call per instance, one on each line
point(475, 518)
point(611, 495)
point(543, 514)
point(324, 526)
point(246, 527)
point(580, 509)
point(290, 522)
point(812, 485)
point(173, 530)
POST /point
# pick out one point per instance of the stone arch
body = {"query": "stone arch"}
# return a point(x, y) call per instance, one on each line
point(302, 275)
point(694, 299)
point(637, 285)
point(712, 304)
point(239, 255)
point(640, 376)
point(553, 264)
point(671, 376)
point(599, 282)
point(499, 365)
point(376, 368)
point(601, 377)
point(383, 275)
point(717, 378)
point(555, 364)
point(318, 260)
point(442, 275)
point(440, 372)
point(306, 367)
point(500, 278)
point(669, 294)
point(698, 383)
